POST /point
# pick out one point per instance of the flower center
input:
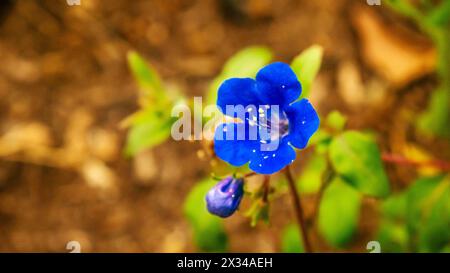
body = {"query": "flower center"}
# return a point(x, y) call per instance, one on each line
point(279, 127)
point(271, 124)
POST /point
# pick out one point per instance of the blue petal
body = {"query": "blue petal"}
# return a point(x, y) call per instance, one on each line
point(269, 162)
point(237, 91)
point(278, 85)
point(236, 151)
point(303, 122)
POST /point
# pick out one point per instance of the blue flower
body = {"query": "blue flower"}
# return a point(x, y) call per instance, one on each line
point(224, 198)
point(270, 105)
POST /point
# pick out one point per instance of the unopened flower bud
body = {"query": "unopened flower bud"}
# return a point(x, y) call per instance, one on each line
point(224, 198)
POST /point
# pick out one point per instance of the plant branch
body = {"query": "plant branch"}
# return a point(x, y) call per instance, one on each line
point(249, 174)
point(298, 209)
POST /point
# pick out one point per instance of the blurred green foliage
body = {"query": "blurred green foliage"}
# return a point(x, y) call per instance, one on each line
point(418, 219)
point(339, 213)
point(151, 124)
point(152, 91)
point(346, 165)
point(356, 158)
point(208, 230)
point(244, 64)
point(336, 121)
point(310, 178)
point(291, 241)
point(434, 19)
point(306, 66)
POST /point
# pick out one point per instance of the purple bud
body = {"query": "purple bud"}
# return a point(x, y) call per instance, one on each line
point(224, 198)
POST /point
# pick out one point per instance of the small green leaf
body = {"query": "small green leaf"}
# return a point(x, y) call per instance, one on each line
point(247, 62)
point(394, 207)
point(339, 213)
point(311, 176)
point(440, 15)
point(152, 91)
point(306, 66)
point(291, 241)
point(322, 140)
point(428, 213)
point(209, 232)
point(392, 233)
point(336, 120)
point(393, 237)
point(244, 64)
point(148, 129)
point(357, 159)
point(435, 120)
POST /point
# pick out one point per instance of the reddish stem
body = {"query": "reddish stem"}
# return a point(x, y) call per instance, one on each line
point(298, 210)
point(249, 174)
point(400, 160)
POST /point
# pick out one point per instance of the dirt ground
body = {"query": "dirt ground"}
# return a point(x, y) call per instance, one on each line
point(64, 84)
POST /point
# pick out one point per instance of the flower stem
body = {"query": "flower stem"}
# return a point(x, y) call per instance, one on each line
point(298, 210)
point(250, 174)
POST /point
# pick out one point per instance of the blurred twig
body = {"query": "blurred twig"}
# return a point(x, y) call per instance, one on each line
point(298, 209)
point(400, 160)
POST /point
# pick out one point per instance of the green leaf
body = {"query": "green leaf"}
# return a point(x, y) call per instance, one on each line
point(428, 213)
point(306, 66)
point(322, 140)
point(406, 9)
point(394, 207)
point(209, 232)
point(148, 129)
point(291, 241)
point(392, 233)
point(440, 16)
point(148, 80)
point(435, 120)
point(393, 237)
point(339, 213)
point(336, 120)
point(245, 63)
point(311, 176)
point(357, 159)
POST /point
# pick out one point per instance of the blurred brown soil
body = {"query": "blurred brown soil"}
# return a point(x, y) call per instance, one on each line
point(65, 86)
